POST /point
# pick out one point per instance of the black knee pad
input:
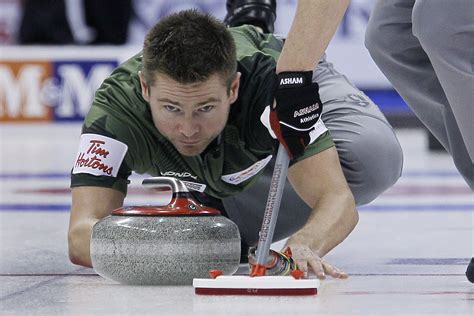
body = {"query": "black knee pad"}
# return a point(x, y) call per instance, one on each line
point(261, 13)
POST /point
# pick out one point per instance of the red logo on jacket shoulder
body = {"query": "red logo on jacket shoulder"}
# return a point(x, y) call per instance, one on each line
point(94, 160)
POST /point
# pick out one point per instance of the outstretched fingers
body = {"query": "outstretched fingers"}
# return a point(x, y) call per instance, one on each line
point(307, 260)
point(333, 271)
point(317, 267)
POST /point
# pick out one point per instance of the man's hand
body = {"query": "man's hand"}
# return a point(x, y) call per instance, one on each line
point(306, 259)
point(296, 111)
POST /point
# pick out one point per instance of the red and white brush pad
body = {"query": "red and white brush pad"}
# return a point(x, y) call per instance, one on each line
point(264, 285)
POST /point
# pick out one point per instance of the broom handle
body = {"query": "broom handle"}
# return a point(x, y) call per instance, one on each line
point(272, 208)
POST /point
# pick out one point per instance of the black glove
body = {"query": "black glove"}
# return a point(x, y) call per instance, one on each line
point(297, 110)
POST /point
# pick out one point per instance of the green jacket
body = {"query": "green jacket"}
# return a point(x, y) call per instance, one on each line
point(228, 166)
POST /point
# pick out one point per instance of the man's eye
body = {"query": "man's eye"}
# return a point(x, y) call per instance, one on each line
point(206, 108)
point(171, 108)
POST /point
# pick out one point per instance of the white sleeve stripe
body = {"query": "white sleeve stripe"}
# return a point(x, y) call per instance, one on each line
point(319, 129)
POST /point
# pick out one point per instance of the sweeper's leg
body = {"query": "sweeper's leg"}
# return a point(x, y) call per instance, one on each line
point(425, 49)
point(430, 65)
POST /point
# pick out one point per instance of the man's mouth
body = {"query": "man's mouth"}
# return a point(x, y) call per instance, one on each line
point(188, 142)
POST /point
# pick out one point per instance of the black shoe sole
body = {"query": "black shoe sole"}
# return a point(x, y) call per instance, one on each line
point(470, 271)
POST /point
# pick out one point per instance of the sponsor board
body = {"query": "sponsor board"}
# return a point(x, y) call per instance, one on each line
point(49, 90)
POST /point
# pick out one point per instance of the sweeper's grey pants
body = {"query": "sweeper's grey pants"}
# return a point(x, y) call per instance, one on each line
point(426, 49)
point(368, 149)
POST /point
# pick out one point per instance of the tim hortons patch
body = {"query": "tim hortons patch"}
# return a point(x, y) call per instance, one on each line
point(99, 155)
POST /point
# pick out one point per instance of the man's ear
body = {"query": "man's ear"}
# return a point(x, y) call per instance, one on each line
point(234, 88)
point(145, 88)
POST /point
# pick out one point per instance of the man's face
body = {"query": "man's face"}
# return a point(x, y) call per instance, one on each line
point(192, 115)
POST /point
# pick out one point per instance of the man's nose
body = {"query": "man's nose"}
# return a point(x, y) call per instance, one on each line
point(188, 127)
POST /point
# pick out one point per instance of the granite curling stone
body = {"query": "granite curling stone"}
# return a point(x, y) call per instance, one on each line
point(164, 245)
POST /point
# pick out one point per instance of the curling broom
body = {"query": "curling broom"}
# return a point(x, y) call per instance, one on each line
point(257, 283)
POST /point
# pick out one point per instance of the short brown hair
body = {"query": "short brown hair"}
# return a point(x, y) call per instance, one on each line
point(189, 46)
